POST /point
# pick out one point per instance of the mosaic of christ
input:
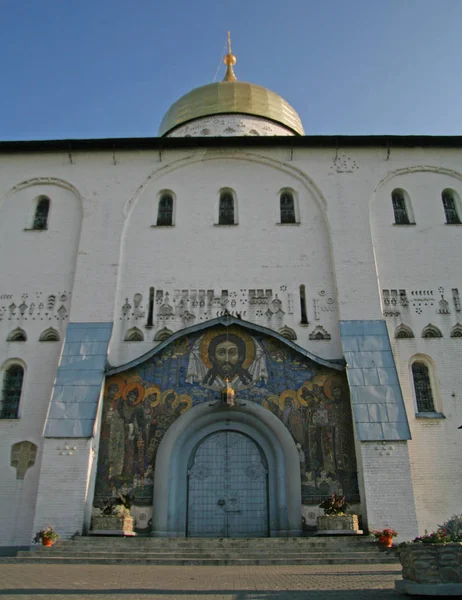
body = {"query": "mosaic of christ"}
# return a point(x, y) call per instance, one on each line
point(232, 355)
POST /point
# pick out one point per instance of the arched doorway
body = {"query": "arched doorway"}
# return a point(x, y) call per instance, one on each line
point(264, 437)
point(227, 487)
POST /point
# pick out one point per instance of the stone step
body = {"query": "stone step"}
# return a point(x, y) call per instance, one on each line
point(192, 555)
point(208, 551)
point(194, 549)
point(202, 562)
point(221, 542)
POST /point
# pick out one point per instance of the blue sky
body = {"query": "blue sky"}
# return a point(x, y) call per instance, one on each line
point(112, 68)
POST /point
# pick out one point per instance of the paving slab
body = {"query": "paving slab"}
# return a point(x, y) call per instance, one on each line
point(136, 582)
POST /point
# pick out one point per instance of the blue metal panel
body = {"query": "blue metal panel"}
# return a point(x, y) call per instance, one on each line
point(373, 343)
point(350, 343)
point(396, 413)
point(371, 377)
point(62, 428)
point(349, 328)
point(73, 410)
point(78, 377)
point(377, 413)
point(355, 376)
point(95, 362)
point(395, 431)
point(388, 376)
point(83, 393)
point(360, 412)
point(78, 380)
point(370, 432)
point(371, 328)
point(374, 381)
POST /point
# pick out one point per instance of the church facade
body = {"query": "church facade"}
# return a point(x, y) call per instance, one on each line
point(317, 277)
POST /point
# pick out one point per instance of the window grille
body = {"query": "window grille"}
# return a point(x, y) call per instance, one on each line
point(165, 214)
point(422, 387)
point(399, 208)
point(41, 214)
point(226, 213)
point(287, 208)
point(11, 392)
point(450, 209)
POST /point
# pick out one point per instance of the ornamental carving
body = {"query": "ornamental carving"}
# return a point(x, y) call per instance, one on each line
point(23, 455)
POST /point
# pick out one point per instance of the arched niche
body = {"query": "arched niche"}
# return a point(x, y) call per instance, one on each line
point(259, 424)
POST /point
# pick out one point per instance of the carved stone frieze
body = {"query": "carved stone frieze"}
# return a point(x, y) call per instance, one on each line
point(34, 306)
point(171, 309)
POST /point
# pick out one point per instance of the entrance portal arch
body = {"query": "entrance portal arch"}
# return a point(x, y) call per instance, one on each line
point(263, 429)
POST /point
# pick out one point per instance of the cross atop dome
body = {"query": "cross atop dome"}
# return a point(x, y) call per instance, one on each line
point(229, 61)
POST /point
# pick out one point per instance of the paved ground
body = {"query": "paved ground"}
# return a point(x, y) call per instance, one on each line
point(123, 582)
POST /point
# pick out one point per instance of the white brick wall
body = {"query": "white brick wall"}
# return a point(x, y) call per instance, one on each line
point(389, 497)
point(345, 242)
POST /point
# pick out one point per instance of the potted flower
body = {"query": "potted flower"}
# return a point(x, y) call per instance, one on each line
point(335, 519)
point(47, 536)
point(385, 536)
point(115, 517)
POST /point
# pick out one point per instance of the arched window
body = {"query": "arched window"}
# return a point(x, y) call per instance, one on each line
point(165, 212)
point(422, 387)
point(287, 203)
point(226, 209)
point(400, 207)
point(11, 392)
point(450, 207)
point(41, 213)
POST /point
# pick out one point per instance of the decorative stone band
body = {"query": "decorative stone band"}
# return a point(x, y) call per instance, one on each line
point(78, 381)
point(376, 397)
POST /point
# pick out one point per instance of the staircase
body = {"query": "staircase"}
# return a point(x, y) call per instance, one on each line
point(207, 551)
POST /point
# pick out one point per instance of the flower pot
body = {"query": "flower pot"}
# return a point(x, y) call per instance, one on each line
point(47, 542)
point(112, 525)
point(387, 542)
point(338, 525)
point(431, 569)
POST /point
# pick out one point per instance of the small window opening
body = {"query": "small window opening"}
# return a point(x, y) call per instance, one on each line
point(41, 214)
point(165, 214)
point(304, 317)
point(287, 208)
point(226, 211)
point(422, 387)
point(450, 208)
point(399, 208)
point(11, 392)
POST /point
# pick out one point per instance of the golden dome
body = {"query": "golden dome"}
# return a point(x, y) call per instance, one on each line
point(231, 97)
